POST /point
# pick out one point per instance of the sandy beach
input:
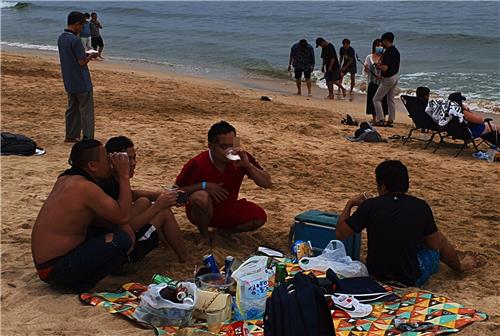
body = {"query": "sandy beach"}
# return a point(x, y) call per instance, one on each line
point(300, 141)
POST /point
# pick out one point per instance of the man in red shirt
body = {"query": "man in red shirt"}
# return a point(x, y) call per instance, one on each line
point(213, 182)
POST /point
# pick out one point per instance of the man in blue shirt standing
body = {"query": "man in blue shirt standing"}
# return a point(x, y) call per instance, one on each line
point(85, 34)
point(302, 60)
point(77, 82)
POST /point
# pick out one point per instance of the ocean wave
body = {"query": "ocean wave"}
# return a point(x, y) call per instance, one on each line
point(30, 46)
point(8, 4)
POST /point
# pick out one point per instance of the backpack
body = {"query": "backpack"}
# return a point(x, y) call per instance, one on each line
point(17, 144)
point(298, 308)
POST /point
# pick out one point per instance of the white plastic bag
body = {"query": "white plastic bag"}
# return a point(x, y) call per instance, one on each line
point(157, 311)
point(251, 290)
point(334, 257)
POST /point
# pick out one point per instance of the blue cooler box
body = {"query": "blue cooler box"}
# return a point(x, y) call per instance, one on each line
point(318, 227)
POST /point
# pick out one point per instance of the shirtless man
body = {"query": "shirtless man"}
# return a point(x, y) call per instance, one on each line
point(65, 252)
point(148, 219)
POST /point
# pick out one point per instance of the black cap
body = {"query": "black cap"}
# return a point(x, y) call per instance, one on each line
point(457, 97)
point(319, 40)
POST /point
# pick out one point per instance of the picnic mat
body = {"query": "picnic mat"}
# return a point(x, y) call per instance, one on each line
point(448, 316)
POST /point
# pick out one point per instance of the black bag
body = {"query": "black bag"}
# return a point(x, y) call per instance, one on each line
point(298, 308)
point(17, 144)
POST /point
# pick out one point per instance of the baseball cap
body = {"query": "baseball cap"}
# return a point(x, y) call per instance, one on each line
point(319, 40)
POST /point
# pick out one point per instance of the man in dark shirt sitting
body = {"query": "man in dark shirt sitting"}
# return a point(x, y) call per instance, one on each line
point(390, 68)
point(404, 243)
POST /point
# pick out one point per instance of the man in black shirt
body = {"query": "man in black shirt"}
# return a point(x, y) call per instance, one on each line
point(348, 61)
point(390, 68)
point(330, 67)
point(404, 243)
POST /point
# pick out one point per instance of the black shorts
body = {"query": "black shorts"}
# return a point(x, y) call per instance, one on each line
point(96, 42)
point(299, 71)
point(332, 76)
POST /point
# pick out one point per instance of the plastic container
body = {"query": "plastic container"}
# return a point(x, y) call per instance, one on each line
point(158, 312)
point(215, 282)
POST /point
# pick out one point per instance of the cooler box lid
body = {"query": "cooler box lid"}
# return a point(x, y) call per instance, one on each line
point(318, 217)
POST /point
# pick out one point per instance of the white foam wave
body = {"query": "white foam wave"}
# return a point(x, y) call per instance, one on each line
point(30, 46)
point(5, 4)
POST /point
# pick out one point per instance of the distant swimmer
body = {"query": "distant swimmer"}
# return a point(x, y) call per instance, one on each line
point(330, 66)
point(302, 60)
point(95, 34)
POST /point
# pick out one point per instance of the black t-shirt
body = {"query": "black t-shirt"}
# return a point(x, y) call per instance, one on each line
point(396, 225)
point(390, 57)
point(348, 56)
point(327, 54)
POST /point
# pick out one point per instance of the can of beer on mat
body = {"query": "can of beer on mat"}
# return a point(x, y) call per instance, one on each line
point(189, 299)
point(228, 262)
point(209, 261)
point(181, 293)
point(281, 274)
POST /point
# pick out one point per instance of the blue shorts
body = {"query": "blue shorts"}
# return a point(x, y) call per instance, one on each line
point(429, 265)
point(476, 130)
point(299, 71)
point(332, 76)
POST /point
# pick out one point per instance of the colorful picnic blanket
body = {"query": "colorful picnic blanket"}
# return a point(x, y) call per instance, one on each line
point(447, 316)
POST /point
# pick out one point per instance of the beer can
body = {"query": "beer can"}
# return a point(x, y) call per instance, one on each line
point(181, 293)
point(228, 262)
point(281, 274)
point(209, 261)
point(189, 299)
point(161, 279)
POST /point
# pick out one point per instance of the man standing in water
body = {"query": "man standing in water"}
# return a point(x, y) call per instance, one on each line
point(302, 60)
point(330, 66)
point(348, 61)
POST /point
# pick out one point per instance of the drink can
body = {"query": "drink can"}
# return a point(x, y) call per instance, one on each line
point(281, 274)
point(227, 266)
point(209, 261)
point(181, 293)
point(189, 299)
point(160, 279)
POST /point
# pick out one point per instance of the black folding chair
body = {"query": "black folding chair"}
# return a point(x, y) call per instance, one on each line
point(421, 120)
point(459, 131)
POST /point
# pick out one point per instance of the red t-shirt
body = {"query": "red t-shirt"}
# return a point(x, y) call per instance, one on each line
point(201, 168)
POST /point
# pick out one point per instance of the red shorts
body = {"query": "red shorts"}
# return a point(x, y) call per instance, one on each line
point(229, 215)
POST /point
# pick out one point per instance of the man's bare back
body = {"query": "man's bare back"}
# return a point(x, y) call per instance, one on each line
point(63, 219)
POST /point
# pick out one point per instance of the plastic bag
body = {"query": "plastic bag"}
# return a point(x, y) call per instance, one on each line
point(157, 311)
point(334, 257)
point(252, 284)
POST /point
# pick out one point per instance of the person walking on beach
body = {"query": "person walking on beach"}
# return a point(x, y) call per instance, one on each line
point(389, 65)
point(302, 60)
point(330, 66)
point(371, 71)
point(348, 62)
point(96, 38)
point(213, 181)
point(77, 83)
point(85, 34)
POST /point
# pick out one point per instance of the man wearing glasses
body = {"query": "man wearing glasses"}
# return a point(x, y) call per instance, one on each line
point(77, 82)
point(213, 179)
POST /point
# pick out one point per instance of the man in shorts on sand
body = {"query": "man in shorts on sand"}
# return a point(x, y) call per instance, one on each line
point(330, 67)
point(70, 253)
point(95, 35)
point(302, 60)
point(213, 182)
point(348, 61)
point(404, 243)
point(149, 219)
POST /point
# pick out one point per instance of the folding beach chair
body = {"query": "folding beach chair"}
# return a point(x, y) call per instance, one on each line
point(421, 120)
point(459, 131)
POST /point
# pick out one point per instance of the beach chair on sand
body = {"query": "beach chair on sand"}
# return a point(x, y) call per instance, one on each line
point(421, 120)
point(459, 131)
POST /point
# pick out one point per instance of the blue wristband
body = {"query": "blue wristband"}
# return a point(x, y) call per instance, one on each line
point(203, 185)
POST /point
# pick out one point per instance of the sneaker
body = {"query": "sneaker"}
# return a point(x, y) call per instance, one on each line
point(352, 306)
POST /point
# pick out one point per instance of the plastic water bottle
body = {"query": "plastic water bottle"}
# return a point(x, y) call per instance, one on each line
point(491, 154)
